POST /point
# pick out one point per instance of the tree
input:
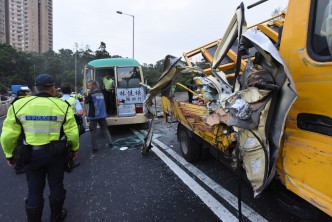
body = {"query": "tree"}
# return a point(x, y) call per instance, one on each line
point(203, 64)
point(20, 68)
point(56, 69)
point(3, 88)
point(8, 58)
point(101, 53)
point(152, 72)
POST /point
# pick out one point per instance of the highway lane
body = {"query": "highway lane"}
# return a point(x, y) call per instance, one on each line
point(115, 185)
point(222, 183)
point(111, 185)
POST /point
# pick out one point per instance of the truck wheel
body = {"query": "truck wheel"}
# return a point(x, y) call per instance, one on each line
point(190, 149)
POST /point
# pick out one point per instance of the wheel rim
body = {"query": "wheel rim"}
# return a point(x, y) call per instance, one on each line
point(184, 142)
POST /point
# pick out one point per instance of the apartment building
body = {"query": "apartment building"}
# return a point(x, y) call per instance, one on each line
point(2, 21)
point(27, 25)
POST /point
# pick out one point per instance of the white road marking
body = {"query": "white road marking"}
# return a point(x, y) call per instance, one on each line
point(247, 211)
point(222, 192)
point(217, 208)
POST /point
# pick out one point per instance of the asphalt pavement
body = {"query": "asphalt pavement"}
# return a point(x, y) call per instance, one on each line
point(124, 185)
point(111, 185)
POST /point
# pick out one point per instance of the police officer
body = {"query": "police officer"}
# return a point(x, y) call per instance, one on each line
point(109, 93)
point(42, 118)
point(74, 103)
point(78, 96)
point(75, 106)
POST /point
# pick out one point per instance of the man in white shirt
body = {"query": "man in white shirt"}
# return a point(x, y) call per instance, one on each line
point(74, 104)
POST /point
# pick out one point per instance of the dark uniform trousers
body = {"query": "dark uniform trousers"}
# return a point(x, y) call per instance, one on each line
point(109, 97)
point(113, 102)
point(43, 164)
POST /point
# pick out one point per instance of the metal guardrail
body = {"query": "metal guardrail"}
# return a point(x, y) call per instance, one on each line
point(4, 105)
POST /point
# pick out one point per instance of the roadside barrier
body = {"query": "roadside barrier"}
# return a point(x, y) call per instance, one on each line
point(4, 105)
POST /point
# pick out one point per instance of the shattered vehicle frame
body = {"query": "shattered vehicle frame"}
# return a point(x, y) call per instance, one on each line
point(252, 116)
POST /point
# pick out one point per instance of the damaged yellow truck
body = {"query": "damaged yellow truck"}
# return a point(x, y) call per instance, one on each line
point(263, 104)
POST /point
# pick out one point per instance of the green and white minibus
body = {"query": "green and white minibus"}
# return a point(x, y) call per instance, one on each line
point(129, 93)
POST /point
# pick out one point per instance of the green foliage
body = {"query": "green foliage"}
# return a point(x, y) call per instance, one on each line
point(101, 53)
point(152, 72)
point(3, 88)
point(13, 64)
point(184, 79)
point(17, 67)
point(20, 68)
point(203, 64)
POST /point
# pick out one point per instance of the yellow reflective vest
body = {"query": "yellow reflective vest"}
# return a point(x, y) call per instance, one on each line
point(108, 83)
point(41, 119)
point(78, 96)
point(71, 102)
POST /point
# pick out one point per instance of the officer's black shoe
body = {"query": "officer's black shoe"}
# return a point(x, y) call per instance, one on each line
point(58, 213)
point(19, 169)
point(34, 214)
point(95, 150)
point(76, 164)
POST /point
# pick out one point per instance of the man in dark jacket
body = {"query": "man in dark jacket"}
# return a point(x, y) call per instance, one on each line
point(97, 114)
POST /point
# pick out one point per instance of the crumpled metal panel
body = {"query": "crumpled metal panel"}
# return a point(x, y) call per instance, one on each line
point(233, 32)
point(286, 96)
point(172, 67)
point(243, 109)
point(247, 109)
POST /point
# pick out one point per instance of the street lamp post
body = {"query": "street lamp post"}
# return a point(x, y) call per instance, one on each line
point(120, 12)
point(76, 45)
point(75, 69)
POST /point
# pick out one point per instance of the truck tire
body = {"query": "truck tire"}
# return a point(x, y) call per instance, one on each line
point(190, 148)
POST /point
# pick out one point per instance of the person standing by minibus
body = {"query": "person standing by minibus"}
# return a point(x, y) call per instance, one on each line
point(97, 114)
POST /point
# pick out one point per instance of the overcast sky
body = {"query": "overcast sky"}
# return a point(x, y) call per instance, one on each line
point(162, 27)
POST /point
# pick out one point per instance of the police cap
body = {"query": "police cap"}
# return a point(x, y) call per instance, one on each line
point(44, 80)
